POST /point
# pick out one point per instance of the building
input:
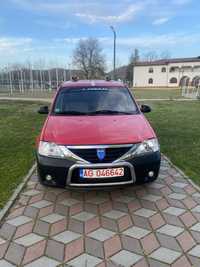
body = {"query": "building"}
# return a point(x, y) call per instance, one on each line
point(167, 72)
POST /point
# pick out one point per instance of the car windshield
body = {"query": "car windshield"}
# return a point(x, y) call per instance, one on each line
point(94, 101)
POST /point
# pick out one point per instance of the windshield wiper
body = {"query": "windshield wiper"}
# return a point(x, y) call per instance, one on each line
point(107, 111)
point(70, 112)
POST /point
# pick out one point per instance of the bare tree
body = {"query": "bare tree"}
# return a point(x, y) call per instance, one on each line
point(151, 56)
point(88, 57)
point(134, 58)
point(165, 54)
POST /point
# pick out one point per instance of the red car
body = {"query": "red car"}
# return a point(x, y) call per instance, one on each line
point(96, 135)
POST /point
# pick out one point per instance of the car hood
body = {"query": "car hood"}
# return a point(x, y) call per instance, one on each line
point(95, 130)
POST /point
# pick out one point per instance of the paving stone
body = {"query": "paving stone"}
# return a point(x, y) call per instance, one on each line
point(131, 244)
point(51, 224)
point(141, 221)
point(43, 261)
point(165, 255)
point(84, 222)
point(102, 243)
point(15, 212)
point(125, 258)
point(174, 211)
point(177, 196)
point(186, 241)
point(101, 234)
point(26, 249)
point(138, 220)
point(16, 227)
point(179, 184)
point(182, 262)
point(195, 251)
point(151, 198)
point(84, 259)
point(15, 254)
point(115, 220)
point(20, 220)
point(196, 209)
point(126, 203)
point(155, 185)
point(69, 206)
point(4, 263)
point(196, 227)
point(98, 203)
point(155, 263)
point(114, 214)
point(41, 204)
point(156, 221)
point(31, 193)
point(196, 195)
point(29, 240)
point(3, 247)
point(194, 255)
point(149, 243)
point(146, 213)
point(136, 232)
point(65, 246)
point(170, 230)
point(168, 242)
point(188, 219)
point(39, 209)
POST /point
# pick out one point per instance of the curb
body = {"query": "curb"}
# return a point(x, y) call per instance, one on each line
point(16, 193)
point(197, 187)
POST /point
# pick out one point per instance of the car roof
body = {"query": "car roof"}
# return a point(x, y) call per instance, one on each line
point(91, 83)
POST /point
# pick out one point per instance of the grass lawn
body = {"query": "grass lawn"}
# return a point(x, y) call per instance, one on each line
point(19, 125)
point(139, 93)
point(176, 123)
point(178, 127)
point(157, 93)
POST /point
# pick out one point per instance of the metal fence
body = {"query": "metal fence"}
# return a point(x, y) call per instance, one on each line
point(192, 92)
point(32, 81)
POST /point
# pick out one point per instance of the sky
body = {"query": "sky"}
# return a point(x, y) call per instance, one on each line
point(45, 32)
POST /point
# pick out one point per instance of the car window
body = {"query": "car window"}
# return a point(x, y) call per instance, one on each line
point(94, 101)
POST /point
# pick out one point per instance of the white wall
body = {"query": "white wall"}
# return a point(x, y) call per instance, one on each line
point(141, 74)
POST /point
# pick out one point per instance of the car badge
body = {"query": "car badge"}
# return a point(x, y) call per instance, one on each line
point(101, 153)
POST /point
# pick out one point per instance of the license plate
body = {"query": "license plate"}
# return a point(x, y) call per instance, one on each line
point(102, 173)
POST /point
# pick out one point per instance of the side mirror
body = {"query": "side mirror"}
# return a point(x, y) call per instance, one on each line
point(145, 108)
point(43, 110)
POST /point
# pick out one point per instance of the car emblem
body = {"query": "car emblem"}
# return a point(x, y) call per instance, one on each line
point(101, 153)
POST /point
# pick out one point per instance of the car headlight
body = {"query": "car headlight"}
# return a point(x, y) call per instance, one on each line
point(147, 146)
point(48, 149)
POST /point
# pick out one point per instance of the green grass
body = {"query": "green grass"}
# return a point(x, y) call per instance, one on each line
point(177, 125)
point(19, 126)
point(138, 92)
point(157, 93)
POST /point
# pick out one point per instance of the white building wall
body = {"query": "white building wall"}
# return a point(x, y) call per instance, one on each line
point(141, 74)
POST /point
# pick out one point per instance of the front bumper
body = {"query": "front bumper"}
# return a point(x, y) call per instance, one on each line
point(65, 172)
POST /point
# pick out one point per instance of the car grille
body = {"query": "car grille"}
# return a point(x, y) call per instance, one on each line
point(111, 153)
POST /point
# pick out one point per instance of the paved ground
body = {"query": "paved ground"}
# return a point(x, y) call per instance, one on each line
point(155, 225)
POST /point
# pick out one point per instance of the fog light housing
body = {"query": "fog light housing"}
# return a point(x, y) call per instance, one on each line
point(48, 177)
point(151, 174)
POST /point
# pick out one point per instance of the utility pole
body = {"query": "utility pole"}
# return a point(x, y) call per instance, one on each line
point(114, 51)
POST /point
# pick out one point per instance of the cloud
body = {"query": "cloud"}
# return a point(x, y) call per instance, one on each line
point(11, 44)
point(144, 41)
point(160, 21)
point(128, 14)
